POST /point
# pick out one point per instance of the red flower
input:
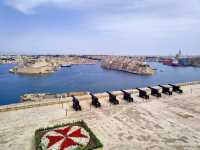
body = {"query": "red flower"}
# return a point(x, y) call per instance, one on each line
point(66, 137)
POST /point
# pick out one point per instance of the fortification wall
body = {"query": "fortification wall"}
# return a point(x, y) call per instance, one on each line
point(26, 105)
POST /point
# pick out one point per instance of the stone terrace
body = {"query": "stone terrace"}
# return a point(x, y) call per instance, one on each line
point(165, 123)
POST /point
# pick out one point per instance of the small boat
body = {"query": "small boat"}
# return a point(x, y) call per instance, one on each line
point(175, 63)
point(167, 61)
point(67, 65)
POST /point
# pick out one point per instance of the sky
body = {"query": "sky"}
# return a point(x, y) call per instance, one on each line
point(119, 27)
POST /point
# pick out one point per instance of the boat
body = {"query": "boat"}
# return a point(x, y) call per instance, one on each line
point(66, 65)
point(171, 62)
point(167, 61)
point(175, 63)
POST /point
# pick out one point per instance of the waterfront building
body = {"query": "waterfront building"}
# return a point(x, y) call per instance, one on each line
point(184, 61)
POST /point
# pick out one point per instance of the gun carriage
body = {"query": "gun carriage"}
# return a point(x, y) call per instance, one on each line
point(176, 88)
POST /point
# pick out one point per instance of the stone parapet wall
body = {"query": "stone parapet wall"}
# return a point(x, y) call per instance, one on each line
point(104, 95)
point(189, 83)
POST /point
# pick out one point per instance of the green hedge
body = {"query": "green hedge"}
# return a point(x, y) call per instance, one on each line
point(93, 143)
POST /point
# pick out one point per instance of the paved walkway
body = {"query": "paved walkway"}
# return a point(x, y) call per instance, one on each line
point(164, 123)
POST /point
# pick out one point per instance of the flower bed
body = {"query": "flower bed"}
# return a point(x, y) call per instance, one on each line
point(72, 136)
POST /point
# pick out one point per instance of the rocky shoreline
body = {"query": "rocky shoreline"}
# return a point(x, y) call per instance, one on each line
point(128, 65)
point(50, 64)
point(33, 70)
point(46, 65)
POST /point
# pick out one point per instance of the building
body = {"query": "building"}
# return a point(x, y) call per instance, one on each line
point(184, 61)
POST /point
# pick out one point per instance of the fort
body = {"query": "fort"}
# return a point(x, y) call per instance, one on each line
point(166, 122)
point(128, 65)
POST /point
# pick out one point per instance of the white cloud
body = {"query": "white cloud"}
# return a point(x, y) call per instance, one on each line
point(25, 6)
point(153, 7)
point(28, 6)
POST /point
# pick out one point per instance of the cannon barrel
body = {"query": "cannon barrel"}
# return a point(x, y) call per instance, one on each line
point(93, 96)
point(174, 85)
point(176, 88)
point(162, 86)
point(139, 89)
point(74, 99)
point(111, 95)
point(152, 88)
point(125, 93)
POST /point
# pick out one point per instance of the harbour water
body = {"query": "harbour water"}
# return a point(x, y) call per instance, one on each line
point(87, 78)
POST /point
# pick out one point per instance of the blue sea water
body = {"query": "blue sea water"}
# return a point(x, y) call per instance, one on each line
point(87, 78)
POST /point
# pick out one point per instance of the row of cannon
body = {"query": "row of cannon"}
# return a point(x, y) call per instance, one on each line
point(155, 91)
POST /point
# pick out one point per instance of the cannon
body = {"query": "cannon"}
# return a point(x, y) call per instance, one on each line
point(76, 104)
point(166, 89)
point(113, 99)
point(95, 101)
point(127, 96)
point(155, 91)
point(143, 93)
point(176, 88)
